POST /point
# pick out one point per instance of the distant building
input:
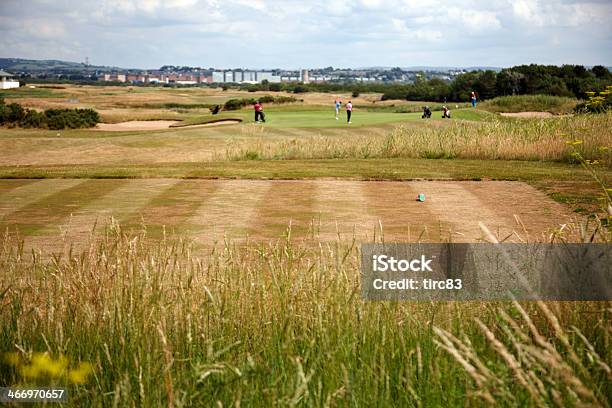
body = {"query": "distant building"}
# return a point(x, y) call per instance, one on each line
point(305, 76)
point(7, 81)
point(218, 76)
point(237, 76)
point(121, 77)
point(249, 77)
point(268, 76)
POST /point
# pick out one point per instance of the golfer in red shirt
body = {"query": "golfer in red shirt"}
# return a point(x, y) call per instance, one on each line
point(259, 112)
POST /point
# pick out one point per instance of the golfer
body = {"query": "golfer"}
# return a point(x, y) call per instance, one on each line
point(337, 104)
point(259, 112)
point(445, 113)
point(349, 111)
point(473, 99)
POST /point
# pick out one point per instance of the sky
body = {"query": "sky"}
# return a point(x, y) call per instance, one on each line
point(308, 33)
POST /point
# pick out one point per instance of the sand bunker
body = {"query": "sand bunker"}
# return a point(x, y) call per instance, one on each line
point(158, 125)
point(212, 123)
point(136, 125)
point(528, 115)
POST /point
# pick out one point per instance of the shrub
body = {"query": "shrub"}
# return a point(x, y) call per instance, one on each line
point(300, 89)
point(597, 102)
point(235, 104)
point(276, 87)
point(33, 119)
point(14, 114)
point(71, 118)
point(285, 99)
point(266, 99)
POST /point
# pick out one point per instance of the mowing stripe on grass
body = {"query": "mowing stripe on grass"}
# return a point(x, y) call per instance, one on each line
point(8, 185)
point(344, 210)
point(403, 218)
point(28, 193)
point(122, 203)
point(535, 210)
point(62, 201)
point(173, 206)
point(454, 205)
point(230, 211)
point(285, 202)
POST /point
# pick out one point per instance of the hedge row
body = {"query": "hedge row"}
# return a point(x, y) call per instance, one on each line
point(15, 115)
point(235, 104)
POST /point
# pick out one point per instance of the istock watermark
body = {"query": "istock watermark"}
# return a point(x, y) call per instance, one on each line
point(486, 271)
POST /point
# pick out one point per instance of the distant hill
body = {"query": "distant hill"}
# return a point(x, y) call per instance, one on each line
point(17, 65)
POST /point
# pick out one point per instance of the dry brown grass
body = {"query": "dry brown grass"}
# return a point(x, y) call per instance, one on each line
point(528, 139)
point(282, 323)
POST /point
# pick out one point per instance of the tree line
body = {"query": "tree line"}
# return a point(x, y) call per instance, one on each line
point(567, 80)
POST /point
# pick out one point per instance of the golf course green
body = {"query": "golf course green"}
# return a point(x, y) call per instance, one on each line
point(325, 118)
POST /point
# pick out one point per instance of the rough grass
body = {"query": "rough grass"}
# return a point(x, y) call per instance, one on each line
point(491, 140)
point(530, 103)
point(283, 324)
point(27, 92)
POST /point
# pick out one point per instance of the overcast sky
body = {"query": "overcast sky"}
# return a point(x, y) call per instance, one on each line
point(307, 34)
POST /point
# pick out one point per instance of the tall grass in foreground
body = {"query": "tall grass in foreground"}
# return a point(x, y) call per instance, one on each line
point(283, 324)
point(504, 139)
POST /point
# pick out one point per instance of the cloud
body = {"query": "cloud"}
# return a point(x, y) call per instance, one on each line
point(371, 3)
point(528, 10)
point(415, 34)
point(294, 33)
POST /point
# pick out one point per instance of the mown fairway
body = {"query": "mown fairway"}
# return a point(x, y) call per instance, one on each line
point(326, 118)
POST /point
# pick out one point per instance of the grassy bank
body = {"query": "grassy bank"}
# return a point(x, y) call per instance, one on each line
point(281, 324)
point(530, 103)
